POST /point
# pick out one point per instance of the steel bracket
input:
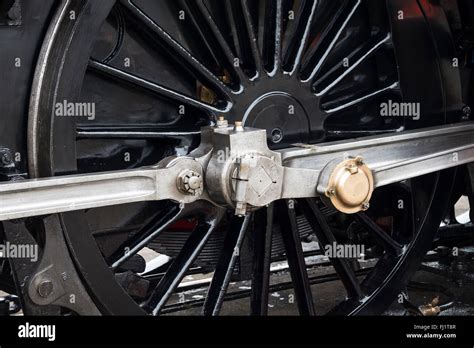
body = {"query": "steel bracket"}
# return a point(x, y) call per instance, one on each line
point(56, 281)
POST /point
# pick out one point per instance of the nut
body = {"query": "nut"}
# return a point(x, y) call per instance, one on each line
point(238, 126)
point(45, 288)
point(466, 112)
point(222, 122)
point(190, 183)
point(6, 158)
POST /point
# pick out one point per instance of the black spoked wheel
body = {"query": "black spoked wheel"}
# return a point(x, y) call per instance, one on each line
point(307, 71)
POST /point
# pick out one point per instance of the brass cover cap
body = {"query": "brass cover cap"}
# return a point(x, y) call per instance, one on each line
point(351, 185)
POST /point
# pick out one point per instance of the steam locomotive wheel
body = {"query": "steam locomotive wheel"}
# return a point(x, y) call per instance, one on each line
point(307, 71)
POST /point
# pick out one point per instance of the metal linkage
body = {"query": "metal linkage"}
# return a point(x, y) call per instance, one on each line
point(233, 167)
point(344, 173)
point(393, 158)
point(347, 172)
point(75, 192)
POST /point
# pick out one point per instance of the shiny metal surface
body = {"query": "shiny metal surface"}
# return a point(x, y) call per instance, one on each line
point(243, 173)
point(77, 192)
point(392, 158)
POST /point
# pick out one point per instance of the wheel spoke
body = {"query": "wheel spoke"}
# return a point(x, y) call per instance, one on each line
point(278, 35)
point(263, 24)
point(145, 235)
point(270, 32)
point(331, 34)
point(225, 265)
point(359, 56)
point(181, 264)
point(323, 232)
point(262, 258)
point(155, 88)
point(220, 41)
point(297, 37)
point(330, 107)
point(207, 37)
point(177, 51)
point(391, 246)
point(234, 18)
point(294, 254)
point(252, 37)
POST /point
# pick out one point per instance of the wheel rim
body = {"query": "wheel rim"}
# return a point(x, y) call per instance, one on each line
point(276, 88)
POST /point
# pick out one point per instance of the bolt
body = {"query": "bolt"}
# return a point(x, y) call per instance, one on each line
point(359, 161)
point(222, 122)
point(195, 182)
point(277, 135)
point(6, 158)
point(466, 113)
point(330, 192)
point(238, 127)
point(190, 182)
point(352, 169)
point(45, 288)
point(241, 209)
point(366, 206)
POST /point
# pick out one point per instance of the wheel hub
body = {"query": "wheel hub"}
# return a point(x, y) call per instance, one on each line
point(282, 116)
point(243, 173)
